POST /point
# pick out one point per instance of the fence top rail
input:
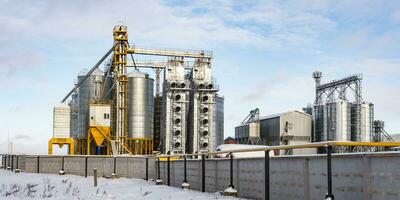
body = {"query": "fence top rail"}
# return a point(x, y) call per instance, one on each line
point(286, 147)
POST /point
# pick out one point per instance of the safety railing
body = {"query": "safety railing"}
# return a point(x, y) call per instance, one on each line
point(327, 145)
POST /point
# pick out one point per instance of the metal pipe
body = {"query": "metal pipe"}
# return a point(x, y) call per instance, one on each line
point(38, 164)
point(168, 171)
point(231, 172)
point(87, 75)
point(203, 173)
point(86, 165)
point(329, 172)
point(266, 175)
point(184, 170)
point(297, 146)
point(147, 168)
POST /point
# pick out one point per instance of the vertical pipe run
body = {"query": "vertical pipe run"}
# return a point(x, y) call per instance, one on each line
point(203, 173)
point(266, 175)
point(86, 159)
point(168, 171)
point(231, 171)
point(147, 168)
point(38, 164)
point(329, 172)
point(184, 170)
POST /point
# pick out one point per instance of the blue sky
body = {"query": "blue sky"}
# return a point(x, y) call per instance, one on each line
point(265, 52)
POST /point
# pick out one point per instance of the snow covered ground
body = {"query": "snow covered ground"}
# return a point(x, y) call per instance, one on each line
point(50, 186)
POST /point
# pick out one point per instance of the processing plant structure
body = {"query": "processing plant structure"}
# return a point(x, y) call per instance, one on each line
point(117, 111)
point(340, 112)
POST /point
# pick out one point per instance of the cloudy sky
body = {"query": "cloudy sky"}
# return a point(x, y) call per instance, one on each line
point(265, 52)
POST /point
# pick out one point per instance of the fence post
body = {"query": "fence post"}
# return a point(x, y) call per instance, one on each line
point(185, 184)
point(158, 181)
point(203, 173)
point(266, 175)
point(5, 162)
point(329, 196)
point(86, 165)
point(62, 172)
point(114, 174)
point(38, 164)
point(95, 177)
point(230, 191)
point(147, 168)
point(168, 171)
point(12, 162)
point(17, 167)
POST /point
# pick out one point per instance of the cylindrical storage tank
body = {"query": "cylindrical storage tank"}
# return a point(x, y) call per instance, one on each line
point(61, 121)
point(140, 105)
point(90, 89)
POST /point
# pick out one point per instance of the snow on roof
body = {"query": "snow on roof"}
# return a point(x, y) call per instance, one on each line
point(280, 114)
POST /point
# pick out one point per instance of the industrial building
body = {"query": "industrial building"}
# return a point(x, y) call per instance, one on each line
point(117, 111)
point(340, 113)
point(293, 127)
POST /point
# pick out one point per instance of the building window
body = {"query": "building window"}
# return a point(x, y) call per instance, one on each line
point(106, 116)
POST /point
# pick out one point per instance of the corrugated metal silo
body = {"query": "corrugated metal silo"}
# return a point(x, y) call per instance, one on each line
point(140, 105)
point(90, 89)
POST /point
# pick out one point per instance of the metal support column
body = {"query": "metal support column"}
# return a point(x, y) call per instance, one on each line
point(184, 170)
point(203, 173)
point(329, 196)
point(168, 171)
point(147, 169)
point(231, 172)
point(12, 162)
point(38, 164)
point(86, 165)
point(266, 175)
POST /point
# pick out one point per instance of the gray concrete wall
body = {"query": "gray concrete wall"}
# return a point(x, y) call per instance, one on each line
point(374, 176)
point(130, 167)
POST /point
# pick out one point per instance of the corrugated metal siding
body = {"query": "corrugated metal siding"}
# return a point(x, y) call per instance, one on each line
point(269, 131)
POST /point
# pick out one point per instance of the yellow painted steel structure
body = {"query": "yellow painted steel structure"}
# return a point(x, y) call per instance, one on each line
point(120, 100)
point(61, 142)
point(140, 146)
point(100, 136)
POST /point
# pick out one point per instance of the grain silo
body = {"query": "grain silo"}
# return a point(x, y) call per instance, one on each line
point(90, 90)
point(140, 111)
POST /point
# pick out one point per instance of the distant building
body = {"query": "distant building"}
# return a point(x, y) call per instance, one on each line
point(286, 128)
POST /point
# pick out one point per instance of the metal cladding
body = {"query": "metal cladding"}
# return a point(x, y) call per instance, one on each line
point(61, 121)
point(73, 104)
point(90, 90)
point(202, 135)
point(140, 105)
point(174, 108)
point(218, 123)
